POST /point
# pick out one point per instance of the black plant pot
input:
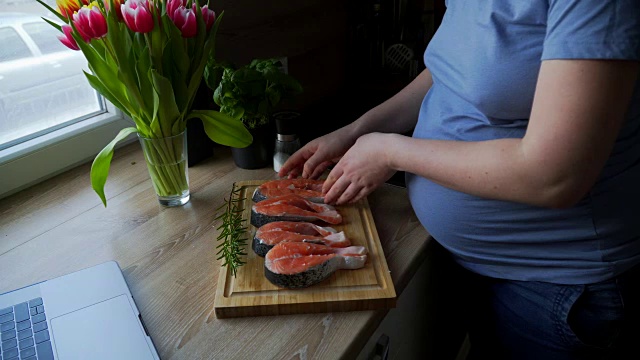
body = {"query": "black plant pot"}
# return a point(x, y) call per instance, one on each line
point(199, 146)
point(257, 155)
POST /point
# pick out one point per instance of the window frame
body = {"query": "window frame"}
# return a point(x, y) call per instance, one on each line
point(36, 160)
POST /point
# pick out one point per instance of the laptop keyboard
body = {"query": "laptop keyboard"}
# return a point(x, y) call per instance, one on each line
point(23, 332)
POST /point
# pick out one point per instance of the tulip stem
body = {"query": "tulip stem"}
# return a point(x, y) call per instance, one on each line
point(166, 165)
point(110, 49)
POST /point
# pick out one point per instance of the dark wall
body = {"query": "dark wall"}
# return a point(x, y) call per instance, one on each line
point(310, 33)
point(329, 49)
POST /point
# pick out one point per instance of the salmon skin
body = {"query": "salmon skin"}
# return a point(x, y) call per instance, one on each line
point(306, 188)
point(292, 208)
point(296, 265)
point(268, 235)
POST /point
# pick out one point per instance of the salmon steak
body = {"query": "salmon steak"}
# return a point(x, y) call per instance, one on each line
point(270, 234)
point(306, 188)
point(292, 208)
point(295, 265)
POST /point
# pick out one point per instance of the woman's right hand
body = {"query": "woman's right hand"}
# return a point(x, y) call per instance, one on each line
point(316, 156)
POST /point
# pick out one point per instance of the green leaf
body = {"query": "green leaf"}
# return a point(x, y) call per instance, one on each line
point(236, 112)
point(213, 74)
point(53, 24)
point(123, 61)
point(107, 76)
point(263, 107)
point(199, 44)
point(179, 62)
point(202, 60)
point(102, 163)
point(222, 128)
point(168, 112)
point(115, 99)
point(285, 82)
point(60, 16)
point(273, 96)
point(250, 93)
point(155, 121)
point(144, 78)
point(217, 95)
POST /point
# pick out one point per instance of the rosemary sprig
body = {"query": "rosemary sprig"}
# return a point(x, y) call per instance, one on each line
point(232, 231)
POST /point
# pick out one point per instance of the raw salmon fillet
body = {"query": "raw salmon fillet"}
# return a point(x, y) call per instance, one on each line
point(298, 265)
point(292, 208)
point(276, 232)
point(306, 188)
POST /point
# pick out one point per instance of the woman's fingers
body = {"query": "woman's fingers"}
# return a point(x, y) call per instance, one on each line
point(311, 164)
point(294, 173)
point(295, 161)
point(335, 188)
point(349, 193)
point(291, 165)
point(320, 169)
point(331, 179)
point(361, 195)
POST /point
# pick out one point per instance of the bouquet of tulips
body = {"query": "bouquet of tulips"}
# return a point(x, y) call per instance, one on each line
point(147, 57)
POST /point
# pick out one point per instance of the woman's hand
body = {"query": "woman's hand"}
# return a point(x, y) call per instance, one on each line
point(316, 156)
point(398, 114)
point(360, 171)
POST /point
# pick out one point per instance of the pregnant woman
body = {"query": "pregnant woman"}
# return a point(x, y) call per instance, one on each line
point(524, 165)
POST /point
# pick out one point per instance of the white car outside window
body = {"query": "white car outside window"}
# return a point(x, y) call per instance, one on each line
point(42, 86)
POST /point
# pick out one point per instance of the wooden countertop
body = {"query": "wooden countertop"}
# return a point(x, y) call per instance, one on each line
point(168, 257)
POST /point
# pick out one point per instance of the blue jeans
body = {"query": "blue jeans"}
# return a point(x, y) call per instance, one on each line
point(523, 320)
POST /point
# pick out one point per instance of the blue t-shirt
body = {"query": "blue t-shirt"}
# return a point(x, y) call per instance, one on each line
point(484, 60)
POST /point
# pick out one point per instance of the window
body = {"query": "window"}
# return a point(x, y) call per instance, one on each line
point(13, 46)
point(50, 117)
point(43, 92)
point(45, 37)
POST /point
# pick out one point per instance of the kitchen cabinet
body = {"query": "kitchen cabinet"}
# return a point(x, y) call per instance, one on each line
point(421, 326)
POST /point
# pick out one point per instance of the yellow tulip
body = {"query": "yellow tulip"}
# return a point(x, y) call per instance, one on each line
point(68, 7)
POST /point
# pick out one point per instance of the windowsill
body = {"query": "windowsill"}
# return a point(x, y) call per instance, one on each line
point(33, 161)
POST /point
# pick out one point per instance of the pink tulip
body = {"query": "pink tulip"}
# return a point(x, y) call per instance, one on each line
point(208, 15)
point(137, 15)
point(90, 22)
point(173, 5)
point(185, 20)
point(67, 39)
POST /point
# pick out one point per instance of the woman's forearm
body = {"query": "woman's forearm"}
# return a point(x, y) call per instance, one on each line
point(495, 169)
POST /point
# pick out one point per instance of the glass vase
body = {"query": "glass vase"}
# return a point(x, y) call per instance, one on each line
point(167, 163)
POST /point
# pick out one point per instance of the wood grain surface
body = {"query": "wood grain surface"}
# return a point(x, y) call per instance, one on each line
point(168, 257)
point(249, 293)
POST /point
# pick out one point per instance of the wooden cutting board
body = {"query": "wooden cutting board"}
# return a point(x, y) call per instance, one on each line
point(251, 294)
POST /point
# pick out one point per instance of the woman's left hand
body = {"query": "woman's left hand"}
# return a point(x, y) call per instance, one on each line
point(360, 171)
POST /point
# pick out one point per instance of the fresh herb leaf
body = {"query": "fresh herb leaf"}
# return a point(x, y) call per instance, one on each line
point(232, 231)
point(252, 92)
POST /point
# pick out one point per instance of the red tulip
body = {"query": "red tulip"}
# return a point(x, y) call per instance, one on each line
point(137, 15)
point(68, 7)
point(90, 22)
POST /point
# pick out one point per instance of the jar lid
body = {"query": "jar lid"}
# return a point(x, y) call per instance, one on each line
point(286, 122)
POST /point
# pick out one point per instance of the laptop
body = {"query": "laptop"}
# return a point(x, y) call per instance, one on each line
point(88, 314)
